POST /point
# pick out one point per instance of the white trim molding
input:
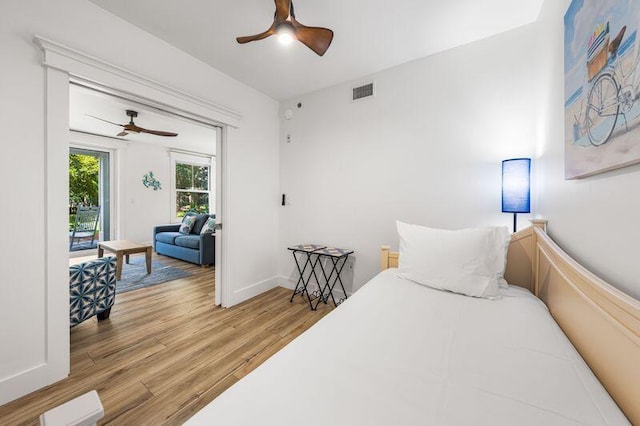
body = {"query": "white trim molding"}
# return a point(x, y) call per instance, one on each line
point(220, 161)
point(191, 157)
point(178, 152)
point(253, 290)
point(67, 59)
point(286, 282)
point(55, 359)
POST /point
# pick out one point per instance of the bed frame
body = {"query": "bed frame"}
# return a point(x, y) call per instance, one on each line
point(602, 322)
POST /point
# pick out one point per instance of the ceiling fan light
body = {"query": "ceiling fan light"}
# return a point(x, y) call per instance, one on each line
point(285, 38)
point(286, 33)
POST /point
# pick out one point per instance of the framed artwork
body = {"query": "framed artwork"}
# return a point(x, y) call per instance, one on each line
point(602, 75)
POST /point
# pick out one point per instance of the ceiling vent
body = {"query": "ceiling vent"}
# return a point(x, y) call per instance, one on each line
point(362, 92)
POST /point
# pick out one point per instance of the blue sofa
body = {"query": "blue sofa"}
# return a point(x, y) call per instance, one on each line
point(194, 247)
point(92, 289)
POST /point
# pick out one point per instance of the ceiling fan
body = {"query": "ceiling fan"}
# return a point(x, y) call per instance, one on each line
point(288, 29)
point(132, 128)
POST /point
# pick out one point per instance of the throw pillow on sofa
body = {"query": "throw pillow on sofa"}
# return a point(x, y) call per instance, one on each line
point(209, 227)
point(187, 224)
point(201, 219)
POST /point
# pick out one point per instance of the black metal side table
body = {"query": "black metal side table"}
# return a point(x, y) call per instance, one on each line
point(313, 254)
point(335, 255)
point(307, 251)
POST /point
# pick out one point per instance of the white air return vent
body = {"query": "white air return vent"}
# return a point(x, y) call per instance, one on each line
point(362, 92)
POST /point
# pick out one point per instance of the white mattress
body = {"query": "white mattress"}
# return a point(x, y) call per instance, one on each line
point(397, 353)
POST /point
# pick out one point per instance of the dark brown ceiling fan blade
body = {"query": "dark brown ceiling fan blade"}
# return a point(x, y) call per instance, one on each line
point(137, 129)
point(106, 121)
point(122, 133)
point(156, 132)
point(260, 36)
point(315, 38)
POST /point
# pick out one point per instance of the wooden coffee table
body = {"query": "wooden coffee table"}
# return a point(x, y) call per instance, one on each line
point(124, 248)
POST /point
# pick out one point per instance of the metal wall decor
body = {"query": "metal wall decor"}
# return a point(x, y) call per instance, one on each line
point(149, 181)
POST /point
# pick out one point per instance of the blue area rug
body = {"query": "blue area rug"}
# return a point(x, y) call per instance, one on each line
point(84, 245)
point(134, 275)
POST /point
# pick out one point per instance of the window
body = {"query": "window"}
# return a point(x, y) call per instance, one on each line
point(192, 188)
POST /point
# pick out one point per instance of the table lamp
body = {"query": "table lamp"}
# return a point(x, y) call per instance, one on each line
point(516, 187)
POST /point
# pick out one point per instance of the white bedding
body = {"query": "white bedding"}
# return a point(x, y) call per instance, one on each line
point(397, 353)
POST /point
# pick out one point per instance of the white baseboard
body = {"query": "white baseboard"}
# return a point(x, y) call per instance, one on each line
point(253, 290)
point(31, 380)
point(258, 288)
point(286, 282)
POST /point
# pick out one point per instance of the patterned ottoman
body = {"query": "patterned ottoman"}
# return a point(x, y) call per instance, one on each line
point(92, 289)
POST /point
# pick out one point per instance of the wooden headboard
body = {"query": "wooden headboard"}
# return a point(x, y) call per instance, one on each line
point(602, 322)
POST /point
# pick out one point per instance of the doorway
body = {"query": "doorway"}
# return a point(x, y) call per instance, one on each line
point(64, 66)
point(89, 198)
point(153, 177)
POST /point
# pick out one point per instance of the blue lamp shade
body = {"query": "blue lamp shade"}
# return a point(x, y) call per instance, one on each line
point(516, 185)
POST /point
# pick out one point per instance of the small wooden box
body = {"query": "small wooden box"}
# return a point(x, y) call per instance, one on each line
point(599, 60)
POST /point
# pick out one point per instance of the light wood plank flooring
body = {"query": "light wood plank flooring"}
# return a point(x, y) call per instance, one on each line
point(166, 351)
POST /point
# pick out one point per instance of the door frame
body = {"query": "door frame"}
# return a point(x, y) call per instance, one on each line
point(62, 66)
point(221, 242)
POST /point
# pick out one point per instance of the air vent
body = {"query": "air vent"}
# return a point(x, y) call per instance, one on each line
point(362, 92)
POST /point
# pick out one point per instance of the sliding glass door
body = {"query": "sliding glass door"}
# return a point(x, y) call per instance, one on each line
point(89, 198)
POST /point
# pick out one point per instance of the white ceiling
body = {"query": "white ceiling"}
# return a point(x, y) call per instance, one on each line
point(83, 102)
point(370, 35)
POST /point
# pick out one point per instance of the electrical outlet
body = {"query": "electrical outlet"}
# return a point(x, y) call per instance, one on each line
point(288, 138)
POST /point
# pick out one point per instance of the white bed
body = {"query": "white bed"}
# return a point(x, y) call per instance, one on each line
point(398, 353)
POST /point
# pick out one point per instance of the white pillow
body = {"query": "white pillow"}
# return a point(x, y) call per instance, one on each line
point(503, 239)
point(209, 226)
point(467, 261)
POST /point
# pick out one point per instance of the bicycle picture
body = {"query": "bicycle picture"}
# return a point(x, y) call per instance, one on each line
point(613, 93)
point(602, 86)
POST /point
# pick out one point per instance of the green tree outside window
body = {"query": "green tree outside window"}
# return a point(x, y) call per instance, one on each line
point(192, 188)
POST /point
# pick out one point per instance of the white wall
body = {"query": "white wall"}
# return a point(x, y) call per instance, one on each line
point(252, 162)
point(143, 207)
point(427, 149)
point(594, 219)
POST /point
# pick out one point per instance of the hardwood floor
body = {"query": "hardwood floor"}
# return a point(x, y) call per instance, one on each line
point(167, 351)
